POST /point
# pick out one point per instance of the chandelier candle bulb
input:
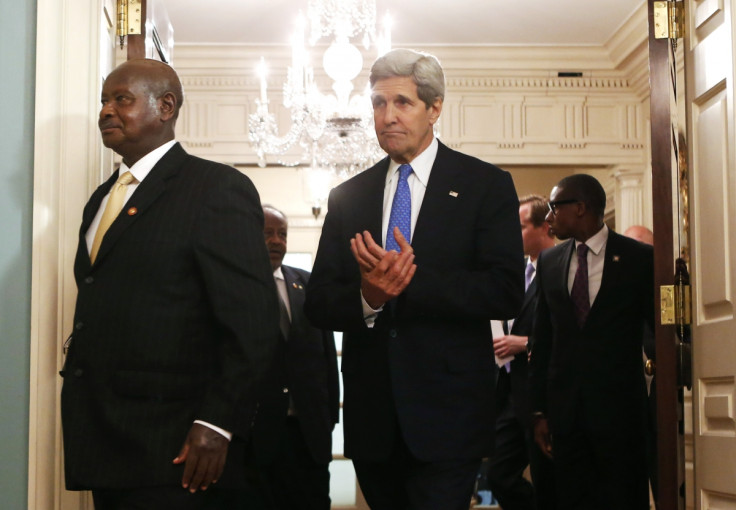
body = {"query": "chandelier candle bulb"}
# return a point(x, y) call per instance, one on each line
point(331, 133)
point(262, 74)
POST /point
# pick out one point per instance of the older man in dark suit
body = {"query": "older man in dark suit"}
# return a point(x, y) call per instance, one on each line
point(176, 315)
point(299, 399)
point(417, 254)
point(587, 384)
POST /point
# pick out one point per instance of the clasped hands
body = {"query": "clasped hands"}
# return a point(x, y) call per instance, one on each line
point(384, 274)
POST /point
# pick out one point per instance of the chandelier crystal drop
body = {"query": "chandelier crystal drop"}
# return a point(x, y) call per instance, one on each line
point(334, 130)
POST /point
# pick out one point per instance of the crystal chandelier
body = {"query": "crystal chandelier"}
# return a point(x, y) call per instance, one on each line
point(335, 130)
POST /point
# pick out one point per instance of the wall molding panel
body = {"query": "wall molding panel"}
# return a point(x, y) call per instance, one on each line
point(507, 116)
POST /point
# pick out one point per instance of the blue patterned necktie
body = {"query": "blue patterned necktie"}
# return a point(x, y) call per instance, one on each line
point(400, 210)
point(579, 292)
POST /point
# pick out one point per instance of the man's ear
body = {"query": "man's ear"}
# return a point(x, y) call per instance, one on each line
point(582, 208)
point(167, 105)
point(435, 110)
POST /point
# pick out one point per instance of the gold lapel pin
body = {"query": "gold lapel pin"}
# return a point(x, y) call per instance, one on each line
point(132, 211)
point(453, 194)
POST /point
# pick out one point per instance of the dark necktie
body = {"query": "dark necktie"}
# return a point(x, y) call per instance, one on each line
point(579, 292)
point(400, 210)
point(284, 322)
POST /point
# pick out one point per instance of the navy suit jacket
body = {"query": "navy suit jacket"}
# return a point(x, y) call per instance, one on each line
point(594, 373)
point(427, 364)
point(174, 322)
point(306, 366)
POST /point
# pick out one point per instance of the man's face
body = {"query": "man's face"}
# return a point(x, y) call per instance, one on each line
point(274, 232)
point(531, 236)
point(130, 118)
point(564, 219)
point(403, 122)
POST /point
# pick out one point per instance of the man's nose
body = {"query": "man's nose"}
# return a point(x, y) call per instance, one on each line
point(106, 110)
point(389, 114)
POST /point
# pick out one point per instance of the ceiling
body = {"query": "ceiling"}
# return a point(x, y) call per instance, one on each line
point(416, 22)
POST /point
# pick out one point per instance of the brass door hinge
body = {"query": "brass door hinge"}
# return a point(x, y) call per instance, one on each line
point(675, 304)
point(669, 20)
point(129, 18)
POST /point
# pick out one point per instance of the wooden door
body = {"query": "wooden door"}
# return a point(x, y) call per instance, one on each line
point(155, 37)
point(665, 137)
point(709, 53)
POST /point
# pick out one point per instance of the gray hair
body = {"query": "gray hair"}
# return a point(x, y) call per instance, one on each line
point(424, 69)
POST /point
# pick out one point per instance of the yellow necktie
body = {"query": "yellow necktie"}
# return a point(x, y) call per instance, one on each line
point(112, 209)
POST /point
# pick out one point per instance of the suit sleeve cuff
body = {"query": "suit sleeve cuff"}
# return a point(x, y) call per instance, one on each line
point(228, 435)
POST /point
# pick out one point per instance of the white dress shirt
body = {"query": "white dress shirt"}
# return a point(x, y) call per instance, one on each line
point(421, 168)
point(140, 170)
point(596, 257)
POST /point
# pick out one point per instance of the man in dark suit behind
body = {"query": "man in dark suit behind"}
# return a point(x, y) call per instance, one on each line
point(587, 384)
point(515, 448)
point(299, 399)
point(176, 313)
point(417, 352)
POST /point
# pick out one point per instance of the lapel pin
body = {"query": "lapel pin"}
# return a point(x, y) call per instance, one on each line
point(296, 286)
point(453, 194)
point(616, 258)
point(132, 211)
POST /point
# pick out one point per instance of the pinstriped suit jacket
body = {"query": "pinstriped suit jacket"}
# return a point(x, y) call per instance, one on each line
point(174, 322)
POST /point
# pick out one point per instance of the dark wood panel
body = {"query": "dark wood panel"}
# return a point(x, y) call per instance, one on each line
point(669, 406)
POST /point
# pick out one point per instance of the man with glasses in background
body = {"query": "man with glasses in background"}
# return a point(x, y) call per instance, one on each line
point(588, 394)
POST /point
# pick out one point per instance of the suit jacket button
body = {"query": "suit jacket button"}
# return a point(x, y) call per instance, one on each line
point(79, 325)
point(393, 333)
point(89, 279)
point(78, 372)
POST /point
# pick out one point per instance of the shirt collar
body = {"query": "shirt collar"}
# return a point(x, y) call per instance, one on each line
point(278, 274)
point(421, 165)
point(596, 242)
point(143, 166)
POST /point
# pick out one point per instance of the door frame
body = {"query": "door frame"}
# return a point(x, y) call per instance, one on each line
point(670, 455)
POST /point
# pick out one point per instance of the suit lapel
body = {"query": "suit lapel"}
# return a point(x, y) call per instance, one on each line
point(612, 257)
point(90, 211)
point(374, 196)
point(144, 196)
point(562, 264)
point(528, 297)
point(295, 290)
point(440, 185)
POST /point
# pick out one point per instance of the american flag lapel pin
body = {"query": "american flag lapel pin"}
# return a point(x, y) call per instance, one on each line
point(453, 194)
point(616, 258)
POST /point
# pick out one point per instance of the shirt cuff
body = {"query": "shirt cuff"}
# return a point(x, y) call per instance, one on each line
point(369, 314)
point(228, 435)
